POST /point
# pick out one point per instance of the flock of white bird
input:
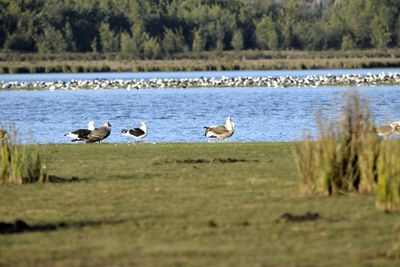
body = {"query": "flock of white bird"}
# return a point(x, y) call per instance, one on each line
point(199, 82)
point(93, 134)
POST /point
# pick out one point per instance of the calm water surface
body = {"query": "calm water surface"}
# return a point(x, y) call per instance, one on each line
point(174, 115)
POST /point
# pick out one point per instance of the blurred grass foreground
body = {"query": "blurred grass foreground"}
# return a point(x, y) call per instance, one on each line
point(223, 204)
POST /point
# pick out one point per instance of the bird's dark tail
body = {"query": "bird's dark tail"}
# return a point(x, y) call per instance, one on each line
point(206, 130)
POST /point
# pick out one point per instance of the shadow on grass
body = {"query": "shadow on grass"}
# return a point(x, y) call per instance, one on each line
point(20, 226)
point(57, 179)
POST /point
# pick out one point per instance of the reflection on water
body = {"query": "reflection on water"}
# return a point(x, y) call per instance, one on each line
point(173, 115)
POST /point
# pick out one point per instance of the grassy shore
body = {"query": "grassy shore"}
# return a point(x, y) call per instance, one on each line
point(229, 60)
point(187, 205)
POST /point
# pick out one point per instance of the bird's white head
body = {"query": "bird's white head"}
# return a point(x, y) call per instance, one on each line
point(91, 125)
point(143, 126)
point(395, 124)
point(229, 124)
point(107, 124)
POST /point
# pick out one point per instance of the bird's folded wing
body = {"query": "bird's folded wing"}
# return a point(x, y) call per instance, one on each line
point(218, 129)
point(82, 132)
point(98, 133)
point(136, 132)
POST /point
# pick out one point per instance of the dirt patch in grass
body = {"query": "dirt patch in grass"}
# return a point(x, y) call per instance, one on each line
point(20, 226)
point(57, 179)
point(289, 217)
point(214, 224)
point(200, 161)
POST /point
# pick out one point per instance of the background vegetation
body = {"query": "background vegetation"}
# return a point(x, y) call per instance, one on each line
point(203, 61)
point(166, 28)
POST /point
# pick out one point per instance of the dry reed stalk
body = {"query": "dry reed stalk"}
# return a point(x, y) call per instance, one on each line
point(388, 184)
point(394, 251)
point(18, 166)
point(305, 162)
point(344, 157)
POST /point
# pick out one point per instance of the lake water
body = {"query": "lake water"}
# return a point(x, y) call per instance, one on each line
point(178, 115)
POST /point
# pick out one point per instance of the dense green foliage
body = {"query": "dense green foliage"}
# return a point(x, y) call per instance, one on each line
point(162, 28)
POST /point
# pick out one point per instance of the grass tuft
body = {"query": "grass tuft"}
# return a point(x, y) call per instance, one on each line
point(343, 159)
point(348, 157)
point(305, 161)
point(18, 166)
point(394, 250)
point(388, 188)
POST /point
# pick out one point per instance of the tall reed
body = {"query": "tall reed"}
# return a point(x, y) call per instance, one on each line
point(35, 169)
point(348, 157)
point(343, 158)
point(388, 188)
point(394, 251)
point(305, 161)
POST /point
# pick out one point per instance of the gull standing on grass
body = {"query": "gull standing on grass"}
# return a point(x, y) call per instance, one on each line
point(137, 133)
point(81, 134)
point(99, 134)
point(223, 131)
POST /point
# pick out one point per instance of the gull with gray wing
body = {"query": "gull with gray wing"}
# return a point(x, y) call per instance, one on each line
point(222, 132)
point(99, 134)
point(385, 130)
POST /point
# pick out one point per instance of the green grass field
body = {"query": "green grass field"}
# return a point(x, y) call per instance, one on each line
point(187, 205)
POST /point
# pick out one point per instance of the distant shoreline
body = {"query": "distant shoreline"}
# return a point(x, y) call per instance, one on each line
point(11, 63)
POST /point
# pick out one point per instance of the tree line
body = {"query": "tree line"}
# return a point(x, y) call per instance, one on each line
point(164, 28)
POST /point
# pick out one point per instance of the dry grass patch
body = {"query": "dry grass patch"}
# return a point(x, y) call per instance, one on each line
point(348, 157)
point(17, 166)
